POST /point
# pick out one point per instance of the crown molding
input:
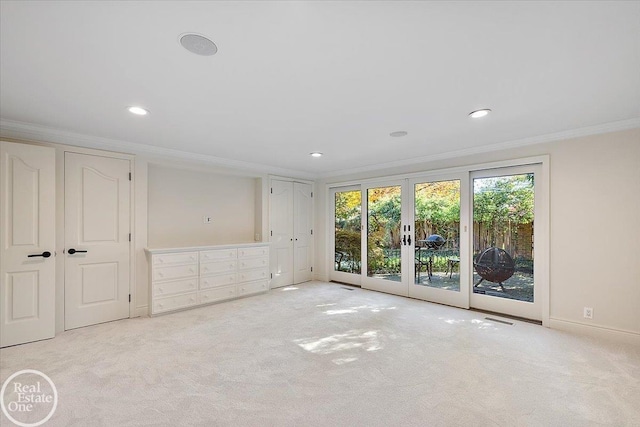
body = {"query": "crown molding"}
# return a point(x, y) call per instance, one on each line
point(541, 139)
point(37, 133)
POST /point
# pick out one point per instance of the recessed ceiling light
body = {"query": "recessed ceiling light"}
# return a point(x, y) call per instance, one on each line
point(399, 133)
point(198, 44)
point(479, 113)
point(315, 154)
point(138, 111)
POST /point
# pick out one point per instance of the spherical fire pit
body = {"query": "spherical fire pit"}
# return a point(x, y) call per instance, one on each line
point(494, 265)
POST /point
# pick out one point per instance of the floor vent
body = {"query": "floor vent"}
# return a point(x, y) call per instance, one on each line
point(498, 320)
point(346, 289)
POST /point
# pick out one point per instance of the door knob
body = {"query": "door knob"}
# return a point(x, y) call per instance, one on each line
point(73, 251)
point(45, 254)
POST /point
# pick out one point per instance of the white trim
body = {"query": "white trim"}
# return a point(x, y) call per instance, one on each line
point(32, 132)
point(28, 131)
point(599, 332)
point(523, 161)
point(142, 311)
point(500, 146)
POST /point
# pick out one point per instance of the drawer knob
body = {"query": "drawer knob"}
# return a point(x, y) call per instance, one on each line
point(159, 290)
point(160, 305)
point(191, 270)
point(191, 299)
point(160, 274)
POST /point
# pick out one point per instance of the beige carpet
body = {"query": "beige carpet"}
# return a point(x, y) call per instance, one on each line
point(320, 355)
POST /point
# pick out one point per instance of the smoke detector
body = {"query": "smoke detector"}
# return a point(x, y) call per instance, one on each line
point(198, 44)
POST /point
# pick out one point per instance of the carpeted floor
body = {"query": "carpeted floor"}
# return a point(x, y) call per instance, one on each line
point(318, 354)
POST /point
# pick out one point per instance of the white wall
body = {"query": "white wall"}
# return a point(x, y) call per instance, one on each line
point(594, 192)
point(179, 198)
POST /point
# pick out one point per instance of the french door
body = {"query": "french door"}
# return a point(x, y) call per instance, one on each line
point(97, 239)
point(411, 241)
point(464, 239)
point(439, 272)
point(386, 238)
point(27, 243)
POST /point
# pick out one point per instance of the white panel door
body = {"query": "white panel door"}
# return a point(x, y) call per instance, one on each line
point(302, 247)
point(281, 220)
point(97, 210)
point(27, 238)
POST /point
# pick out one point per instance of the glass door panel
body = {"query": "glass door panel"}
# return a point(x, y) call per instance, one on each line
point(347, 238)
point(385, 241)
point(437, 234)
point(504, 213)
point(438, 274)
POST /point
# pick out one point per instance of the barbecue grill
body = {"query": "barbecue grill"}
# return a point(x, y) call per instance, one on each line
point(494, 265)
point(435, 241)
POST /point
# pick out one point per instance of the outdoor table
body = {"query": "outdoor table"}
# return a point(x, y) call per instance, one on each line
point(424, 257)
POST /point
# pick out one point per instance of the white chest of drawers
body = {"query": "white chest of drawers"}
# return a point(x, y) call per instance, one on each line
point(187, 277)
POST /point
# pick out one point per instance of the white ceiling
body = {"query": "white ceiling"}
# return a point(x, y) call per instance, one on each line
point(290, 78)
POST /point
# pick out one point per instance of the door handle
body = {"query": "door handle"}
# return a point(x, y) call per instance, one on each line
point(409, 240)
point(73, 251)
point(45, 254)
point(404, 239)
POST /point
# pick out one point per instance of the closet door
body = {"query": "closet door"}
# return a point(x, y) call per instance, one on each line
point(302, 230)
point(97, 239)
point(27, 243)
point(281, 238)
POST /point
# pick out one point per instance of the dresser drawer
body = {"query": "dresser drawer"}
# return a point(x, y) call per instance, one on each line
point(174, 303)
point(251, 275)
point(253, 252)
point(253, 287)
point(218, 294)
point(175, 258)
point(244, 264)
point(175, 287)
point(220, 280)
point(218, 255)
point(175, 272)
point(209, 268)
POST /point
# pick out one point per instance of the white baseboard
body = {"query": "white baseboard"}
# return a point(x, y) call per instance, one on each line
point(142, 311)
point(595, 331)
